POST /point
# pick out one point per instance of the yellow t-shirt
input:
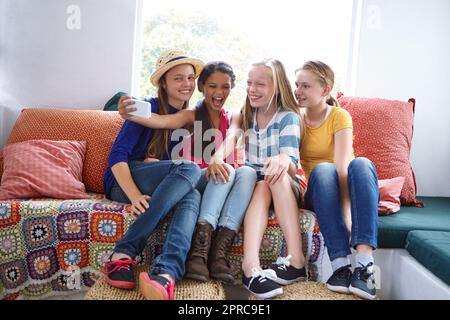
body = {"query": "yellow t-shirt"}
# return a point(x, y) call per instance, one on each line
point(317, 144)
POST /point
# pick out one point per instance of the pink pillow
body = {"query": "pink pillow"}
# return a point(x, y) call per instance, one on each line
point(38, 168)
point(390, 190)
point(383, 131)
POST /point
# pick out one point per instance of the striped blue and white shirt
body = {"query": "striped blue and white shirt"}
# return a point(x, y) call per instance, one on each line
point(281, 135)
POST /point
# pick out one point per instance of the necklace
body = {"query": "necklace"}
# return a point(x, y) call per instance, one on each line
point(319, 122)
point(264, 119)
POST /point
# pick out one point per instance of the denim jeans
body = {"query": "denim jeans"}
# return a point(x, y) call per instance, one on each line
point(323, 196)
point(171, 186)
point(224, 204)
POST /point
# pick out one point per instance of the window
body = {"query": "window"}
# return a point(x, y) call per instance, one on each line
point(241, 32)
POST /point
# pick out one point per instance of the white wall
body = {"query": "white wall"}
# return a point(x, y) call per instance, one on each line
point(404, 53)
point(44, 63)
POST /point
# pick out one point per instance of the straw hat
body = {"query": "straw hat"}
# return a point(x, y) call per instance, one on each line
point(170, 59)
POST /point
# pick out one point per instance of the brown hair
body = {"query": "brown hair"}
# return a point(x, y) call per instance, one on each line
point(201, 110)
point(159, 144)
point(283, 94)
point(324, 74)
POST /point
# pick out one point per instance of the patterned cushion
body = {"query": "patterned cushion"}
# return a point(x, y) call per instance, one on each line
point(390, 190)
point(98, 128)
point(37, 168)
point(383, 131)
point(52, 247)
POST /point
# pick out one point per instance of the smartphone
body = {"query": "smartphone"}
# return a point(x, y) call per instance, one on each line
point(144, 109)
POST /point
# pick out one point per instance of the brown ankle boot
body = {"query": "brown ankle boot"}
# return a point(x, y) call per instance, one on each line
point(219, 267)
point(196, 266)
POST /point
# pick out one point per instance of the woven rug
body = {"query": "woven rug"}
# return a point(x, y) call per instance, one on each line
point(184, 290)
point(310, 290)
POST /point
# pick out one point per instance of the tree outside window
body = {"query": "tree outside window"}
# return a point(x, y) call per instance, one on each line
point(243, 32)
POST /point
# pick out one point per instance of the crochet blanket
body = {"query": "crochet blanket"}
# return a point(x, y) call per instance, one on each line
point(56, 247)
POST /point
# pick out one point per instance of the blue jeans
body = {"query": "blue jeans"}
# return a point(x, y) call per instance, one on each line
point(224, 204)
point(323, 196)
point(171, 187)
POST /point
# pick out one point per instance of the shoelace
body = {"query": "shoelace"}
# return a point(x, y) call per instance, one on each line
point(222, 249)
point(171, 290)
point(365, 273)
point(283, 262)
point(202, 243)
point(169, 285)
point(263, 274)
point(118, 266)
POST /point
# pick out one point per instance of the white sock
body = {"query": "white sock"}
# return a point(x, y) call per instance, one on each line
point(339, 263)
point(363, 259)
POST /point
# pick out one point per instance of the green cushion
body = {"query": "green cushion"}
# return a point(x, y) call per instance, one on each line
point(431, 249)
point(393, 229)
point(113, 103)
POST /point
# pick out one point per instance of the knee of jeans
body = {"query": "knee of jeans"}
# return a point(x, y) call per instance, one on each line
point(231, 171)
point(325, 170)
point(360, 165)
point(192, 199)
point(191, 171)
point(324, 175)
point(247, 174)
point(196, 195)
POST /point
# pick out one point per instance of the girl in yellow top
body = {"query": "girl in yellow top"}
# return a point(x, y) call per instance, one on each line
point(342, 190)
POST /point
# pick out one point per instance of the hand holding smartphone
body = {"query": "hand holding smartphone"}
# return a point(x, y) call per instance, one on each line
point(143, 108)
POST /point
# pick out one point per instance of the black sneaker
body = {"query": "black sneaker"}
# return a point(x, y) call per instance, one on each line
point(340, 280)
point(261, 284)
point(119, 273)
point(363, 282)
point(287, 274)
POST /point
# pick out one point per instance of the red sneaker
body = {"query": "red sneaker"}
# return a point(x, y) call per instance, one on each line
point(119, 273)
point(154, 287)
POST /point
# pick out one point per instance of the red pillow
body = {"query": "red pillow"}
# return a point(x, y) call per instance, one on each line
point(37, 168)
point(98, 128)
point(383, 130)
point(390, 190)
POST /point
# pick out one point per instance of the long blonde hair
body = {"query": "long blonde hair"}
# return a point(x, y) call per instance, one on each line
point(324, 74)
point(159, 144)
point(282, 95)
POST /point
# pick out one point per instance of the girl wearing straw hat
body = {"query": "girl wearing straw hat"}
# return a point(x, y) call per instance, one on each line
point(155, 187)
point(227, 194)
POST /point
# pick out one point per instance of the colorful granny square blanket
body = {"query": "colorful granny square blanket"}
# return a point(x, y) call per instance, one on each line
point(55, 247)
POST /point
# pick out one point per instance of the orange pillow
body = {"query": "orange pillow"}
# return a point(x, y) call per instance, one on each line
point(98, 128)
point(383, 131)
point(43, 168)
point(390, 190)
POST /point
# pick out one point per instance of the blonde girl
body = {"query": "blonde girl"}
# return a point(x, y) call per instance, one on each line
point(271, 125)
point(342, 190)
